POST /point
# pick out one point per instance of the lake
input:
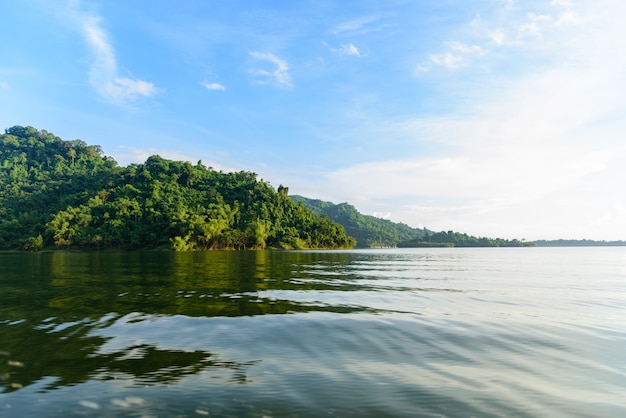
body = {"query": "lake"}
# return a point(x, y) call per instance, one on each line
point(516, 332)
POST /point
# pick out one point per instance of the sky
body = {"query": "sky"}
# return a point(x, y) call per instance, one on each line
point(498, 118)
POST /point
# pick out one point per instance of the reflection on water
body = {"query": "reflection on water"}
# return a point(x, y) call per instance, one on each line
point(429, 332)
point(59, 300)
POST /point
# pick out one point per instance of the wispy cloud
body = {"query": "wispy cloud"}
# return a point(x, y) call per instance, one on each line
point(354, 24)
point(345, 49)
point(278, 75)
point(212, 86)
point(126, 89)
point(4, 85)
point(567, 16)
point(457, 55)
point(513, 27)
point(359, 26)
point(104, 74)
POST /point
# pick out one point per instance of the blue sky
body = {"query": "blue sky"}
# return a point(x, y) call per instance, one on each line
point(492, 117)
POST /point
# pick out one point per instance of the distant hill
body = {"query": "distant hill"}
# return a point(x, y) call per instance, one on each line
point(368, 230)
point(372, 232)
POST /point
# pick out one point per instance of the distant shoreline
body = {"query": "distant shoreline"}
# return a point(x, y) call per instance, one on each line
point(578, 243)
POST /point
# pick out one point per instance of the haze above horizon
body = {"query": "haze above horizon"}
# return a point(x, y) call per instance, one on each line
point(495, 118)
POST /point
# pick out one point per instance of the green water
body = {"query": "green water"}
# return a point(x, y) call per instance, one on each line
point(416, 332)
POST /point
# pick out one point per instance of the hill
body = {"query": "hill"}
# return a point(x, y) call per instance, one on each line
point(370, 231)
point(68, 195)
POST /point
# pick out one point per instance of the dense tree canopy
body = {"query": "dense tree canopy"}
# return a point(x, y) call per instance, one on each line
point(67, 194)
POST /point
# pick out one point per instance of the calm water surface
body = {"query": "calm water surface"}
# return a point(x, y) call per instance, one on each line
point(522, 332)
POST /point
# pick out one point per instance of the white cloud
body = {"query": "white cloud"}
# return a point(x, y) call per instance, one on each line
point(448, 60)
point(513, 27)
point(568, 15)
point(466, 49)
point(212, 86)
point(498, 173)
point(361, 26)
point(344, 49)
point(536, 154)
point(4, 85)
point(103, 74)
point(458, 55)
point(121, 89)
point(348, 49)
point(278, 75)
point(497, 36)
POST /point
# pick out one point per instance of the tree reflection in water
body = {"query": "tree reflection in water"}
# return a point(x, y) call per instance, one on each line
point(53, 306)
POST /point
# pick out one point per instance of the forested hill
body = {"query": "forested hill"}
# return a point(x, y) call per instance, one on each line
point(67, 194)
point(370, 231)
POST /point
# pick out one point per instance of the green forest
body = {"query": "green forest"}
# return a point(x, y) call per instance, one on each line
point(62, 194)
